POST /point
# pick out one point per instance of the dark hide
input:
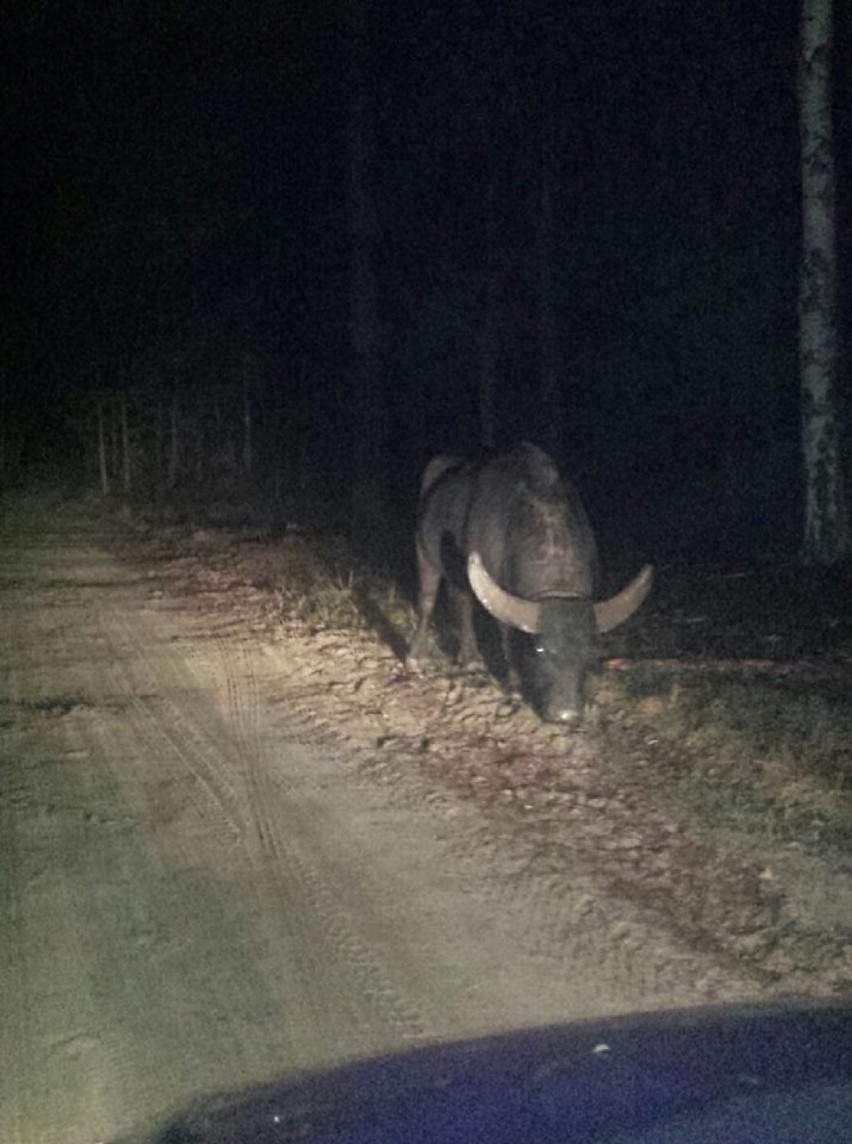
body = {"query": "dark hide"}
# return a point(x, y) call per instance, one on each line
point(516, 533)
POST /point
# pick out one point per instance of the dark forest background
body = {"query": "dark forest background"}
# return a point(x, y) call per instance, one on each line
point(176, 254)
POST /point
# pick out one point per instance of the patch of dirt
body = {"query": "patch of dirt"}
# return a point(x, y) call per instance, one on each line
point(236, 840)
point(601, 800)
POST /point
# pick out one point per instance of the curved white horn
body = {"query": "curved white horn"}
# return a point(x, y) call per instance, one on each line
point(610, 613)
point(503, 606)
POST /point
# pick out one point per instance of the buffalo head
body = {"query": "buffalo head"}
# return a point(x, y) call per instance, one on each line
point(565, 630)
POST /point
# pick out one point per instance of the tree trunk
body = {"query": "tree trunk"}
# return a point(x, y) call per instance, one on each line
point(114, 438)
point(5, 467)
point(125, 444)
point(550, 398)
point(370, 414)
point(489, 332)
point(174, 442)
point(827, 532)
point(102, 449)
point(247, 424)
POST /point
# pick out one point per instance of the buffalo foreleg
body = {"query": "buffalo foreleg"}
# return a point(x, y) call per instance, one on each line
point(507, 641)
point(468, 657)
point(430, 580)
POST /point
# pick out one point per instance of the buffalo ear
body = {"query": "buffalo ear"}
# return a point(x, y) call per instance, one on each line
point(611, 613)
point(511, 610)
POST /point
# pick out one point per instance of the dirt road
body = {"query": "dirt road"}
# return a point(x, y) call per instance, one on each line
point(194, 896)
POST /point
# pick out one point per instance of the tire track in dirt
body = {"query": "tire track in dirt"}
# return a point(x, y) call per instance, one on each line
point(275, 831)
point(199, 759)
point(14, 1035)
point(88, 723)
point(287, 835)
point(172, 718)
point(53, 1039)
point(24, 700)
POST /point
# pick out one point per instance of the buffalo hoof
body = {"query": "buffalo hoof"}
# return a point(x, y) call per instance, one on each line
point(414, 665)
point(567, 718)
point(565, 715)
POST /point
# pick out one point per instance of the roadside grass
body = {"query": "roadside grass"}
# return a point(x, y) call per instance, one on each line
point(324, 589)
point(329, 601)
point(756, 754)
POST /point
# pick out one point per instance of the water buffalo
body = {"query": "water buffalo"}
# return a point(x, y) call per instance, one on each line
point(516, 533)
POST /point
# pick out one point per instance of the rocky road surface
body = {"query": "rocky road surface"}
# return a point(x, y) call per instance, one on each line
point(199, 890)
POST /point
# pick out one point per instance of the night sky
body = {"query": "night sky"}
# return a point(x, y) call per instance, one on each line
point(174, 207)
